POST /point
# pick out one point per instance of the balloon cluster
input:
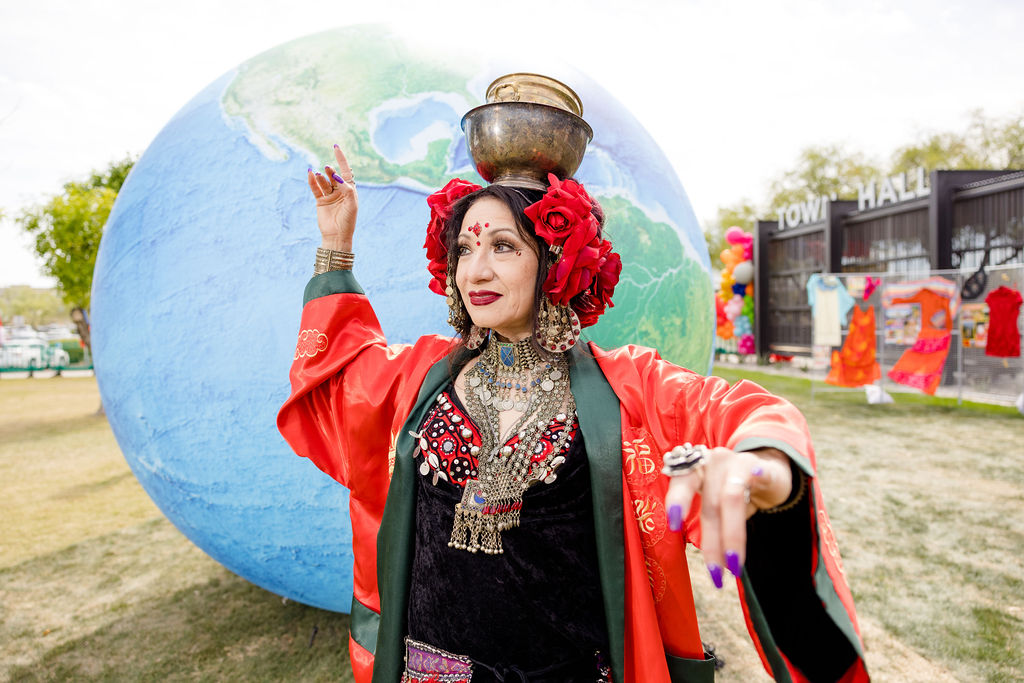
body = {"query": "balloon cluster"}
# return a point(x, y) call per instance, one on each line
point(734, 303)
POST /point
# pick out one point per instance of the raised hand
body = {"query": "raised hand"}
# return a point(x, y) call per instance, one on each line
point(337, 203)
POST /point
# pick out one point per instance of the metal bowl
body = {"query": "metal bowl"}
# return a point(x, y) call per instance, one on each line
point(527, 87)
point(519, 143)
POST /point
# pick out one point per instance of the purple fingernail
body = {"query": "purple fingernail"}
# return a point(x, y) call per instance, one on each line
point(675, 517)
point(336, 146)
point(338, 178)
point(732, 561)
point(716, 574)
point(757, 471)
point(309, 170)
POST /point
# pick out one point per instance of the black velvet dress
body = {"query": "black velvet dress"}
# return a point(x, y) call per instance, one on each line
point(537, 607)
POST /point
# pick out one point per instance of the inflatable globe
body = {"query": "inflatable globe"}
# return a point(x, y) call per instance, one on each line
point(198, 285)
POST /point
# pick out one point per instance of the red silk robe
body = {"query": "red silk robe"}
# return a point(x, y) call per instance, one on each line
point(354, 400)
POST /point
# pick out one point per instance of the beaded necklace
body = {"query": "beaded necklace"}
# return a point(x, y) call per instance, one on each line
point(510, 376)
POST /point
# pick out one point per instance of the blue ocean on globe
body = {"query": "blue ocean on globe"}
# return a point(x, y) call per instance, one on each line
point(198, 284)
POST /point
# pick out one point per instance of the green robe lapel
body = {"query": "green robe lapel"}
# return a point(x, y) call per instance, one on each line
point(597, 408)
point(396, 538)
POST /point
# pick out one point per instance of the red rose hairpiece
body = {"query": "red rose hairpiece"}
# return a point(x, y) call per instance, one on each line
point(440, 204)
point(586, 270)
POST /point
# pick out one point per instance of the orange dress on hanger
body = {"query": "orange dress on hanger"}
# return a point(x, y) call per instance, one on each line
point(921, 365)
point(856, 365)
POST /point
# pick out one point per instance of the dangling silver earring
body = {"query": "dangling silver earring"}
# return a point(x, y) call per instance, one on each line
point(456, 312)
point(558, 327)
point(457, 316)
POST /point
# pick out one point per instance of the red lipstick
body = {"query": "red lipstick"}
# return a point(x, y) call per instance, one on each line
point(483, 297)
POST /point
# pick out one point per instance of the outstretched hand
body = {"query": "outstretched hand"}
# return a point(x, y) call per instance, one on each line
point(337, 202)
point(733, 486)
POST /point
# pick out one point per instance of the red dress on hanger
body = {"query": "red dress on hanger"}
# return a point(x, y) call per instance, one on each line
point(920, 366)
point(1003, 336)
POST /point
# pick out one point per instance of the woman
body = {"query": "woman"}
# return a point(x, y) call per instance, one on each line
point(510, 516)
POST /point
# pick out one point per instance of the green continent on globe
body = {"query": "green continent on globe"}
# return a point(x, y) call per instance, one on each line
point(326, 87)
point(663, 295)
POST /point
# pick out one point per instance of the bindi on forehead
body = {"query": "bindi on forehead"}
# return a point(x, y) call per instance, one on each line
point(476, 228)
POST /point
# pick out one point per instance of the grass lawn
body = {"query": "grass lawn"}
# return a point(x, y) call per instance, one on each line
point(926, 499)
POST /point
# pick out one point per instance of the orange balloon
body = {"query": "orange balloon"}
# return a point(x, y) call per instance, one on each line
point(750, 289)
point(737, 249)
point(725, 331)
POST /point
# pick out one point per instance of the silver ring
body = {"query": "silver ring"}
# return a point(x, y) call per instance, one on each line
point(737, 481)
point(684, 460)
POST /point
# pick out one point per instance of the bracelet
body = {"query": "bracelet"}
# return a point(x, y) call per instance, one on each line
point(794, 498)
point(330, 259)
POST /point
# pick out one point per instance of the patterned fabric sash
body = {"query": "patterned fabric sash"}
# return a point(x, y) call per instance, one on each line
point(428, 664)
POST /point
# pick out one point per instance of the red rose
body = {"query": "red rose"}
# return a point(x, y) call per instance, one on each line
point(591, 303)
point(439, 280)
point(562, 208)
point(577, 265)
point(608, 276)
point(588, 309)
point(440, 202)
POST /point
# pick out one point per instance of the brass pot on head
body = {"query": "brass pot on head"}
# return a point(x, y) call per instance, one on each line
point(530, 126)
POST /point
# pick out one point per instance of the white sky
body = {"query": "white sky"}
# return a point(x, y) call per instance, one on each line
point(730, 90)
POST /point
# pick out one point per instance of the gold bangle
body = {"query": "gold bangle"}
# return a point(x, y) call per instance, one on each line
point(794, 499)
point(331, 259)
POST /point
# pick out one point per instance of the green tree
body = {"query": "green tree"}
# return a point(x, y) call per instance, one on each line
point(834, 170)
point(831, 170)
point(67, 229)
point(36, 306)
point(741, 214)
point(987, 143)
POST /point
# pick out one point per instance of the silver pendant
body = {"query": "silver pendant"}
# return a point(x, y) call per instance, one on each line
point(507, 404)
point(547, 385)
point(474, 381)
point(555, 374)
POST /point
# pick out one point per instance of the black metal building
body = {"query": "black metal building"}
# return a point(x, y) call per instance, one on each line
point(967, 219)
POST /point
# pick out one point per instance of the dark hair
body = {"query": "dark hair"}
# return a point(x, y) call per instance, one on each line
point(516, 199)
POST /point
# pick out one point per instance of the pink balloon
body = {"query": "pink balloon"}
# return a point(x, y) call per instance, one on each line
point(745, 344)
point(748, 251)
point(734, 235)
point(734, 307)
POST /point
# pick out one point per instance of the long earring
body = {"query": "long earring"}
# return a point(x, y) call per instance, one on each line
point(457, 316)
point(558, 327)
point(456, 312)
